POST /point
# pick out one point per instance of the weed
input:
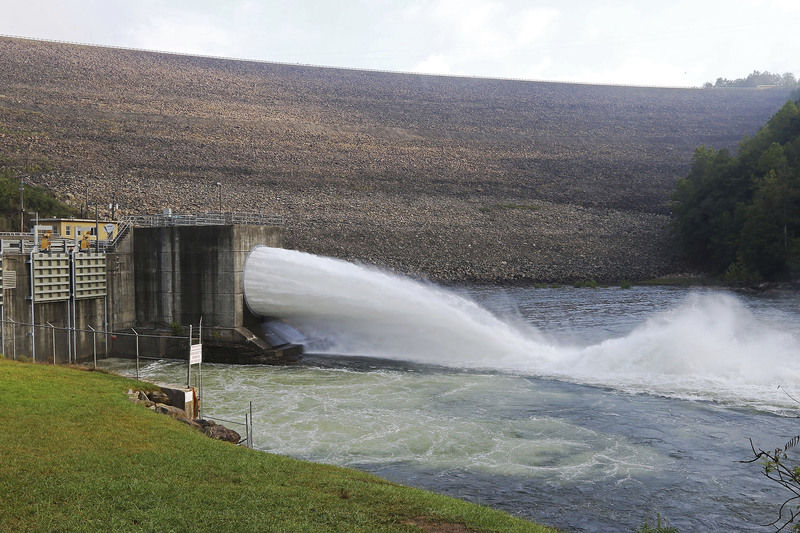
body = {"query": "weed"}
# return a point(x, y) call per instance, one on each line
point(660, 528)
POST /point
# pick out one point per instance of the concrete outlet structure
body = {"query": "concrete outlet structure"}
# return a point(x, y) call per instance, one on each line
point(158, 279)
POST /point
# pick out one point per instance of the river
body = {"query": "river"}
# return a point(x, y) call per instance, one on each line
point(585, 409)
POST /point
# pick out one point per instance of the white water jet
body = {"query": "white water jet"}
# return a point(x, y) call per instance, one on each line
point(358, 310)
point(711, 346)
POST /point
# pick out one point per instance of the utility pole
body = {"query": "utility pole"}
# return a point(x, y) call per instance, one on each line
point(219, 191)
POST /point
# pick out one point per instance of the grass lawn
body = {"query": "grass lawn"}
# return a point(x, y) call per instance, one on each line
point(76, 455)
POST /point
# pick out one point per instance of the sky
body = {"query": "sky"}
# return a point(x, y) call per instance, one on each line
point(673, 43)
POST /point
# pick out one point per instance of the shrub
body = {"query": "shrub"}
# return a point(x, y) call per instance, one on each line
point(776, 466)
point(660, 528)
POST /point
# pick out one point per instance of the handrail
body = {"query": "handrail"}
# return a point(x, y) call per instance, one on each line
point(204, 219)
point(25, 246)
point(123, 226)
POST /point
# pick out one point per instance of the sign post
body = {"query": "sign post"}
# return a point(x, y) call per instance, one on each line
point(196, 358)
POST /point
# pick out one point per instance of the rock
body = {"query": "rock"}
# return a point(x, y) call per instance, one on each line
point(158, 396)
point(174, 412)
point(216, 431)
point(137, 396)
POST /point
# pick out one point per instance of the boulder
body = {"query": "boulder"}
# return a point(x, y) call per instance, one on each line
point(216, 431)
point(158, 396)
point(174, 412)
point(137, 396)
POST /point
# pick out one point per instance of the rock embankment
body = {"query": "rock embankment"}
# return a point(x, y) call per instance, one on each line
point(470, 237)
point(488, 240)
point(446, 178)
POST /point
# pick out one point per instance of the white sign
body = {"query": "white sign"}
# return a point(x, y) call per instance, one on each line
point(109, 229)
point(196, 354)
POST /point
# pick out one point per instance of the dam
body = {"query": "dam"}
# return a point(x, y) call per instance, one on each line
point(142, 287)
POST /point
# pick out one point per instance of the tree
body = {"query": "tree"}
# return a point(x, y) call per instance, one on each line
point(756, 79)
point(740, 216)
point(36, 200)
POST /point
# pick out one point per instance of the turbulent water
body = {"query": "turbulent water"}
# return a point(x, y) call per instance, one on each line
point(585, 409)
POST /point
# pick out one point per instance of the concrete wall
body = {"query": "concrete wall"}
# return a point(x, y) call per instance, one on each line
point(185, 272)
point(120, 283)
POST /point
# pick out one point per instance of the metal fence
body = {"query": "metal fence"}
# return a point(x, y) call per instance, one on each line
point(60, 345)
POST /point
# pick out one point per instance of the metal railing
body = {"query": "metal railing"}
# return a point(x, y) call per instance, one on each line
point(26, 246)
point(25, 243)
point(205, 219)
point(123, 227)
point(15, 242)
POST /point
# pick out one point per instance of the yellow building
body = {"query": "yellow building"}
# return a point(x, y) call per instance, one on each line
point(74, 228)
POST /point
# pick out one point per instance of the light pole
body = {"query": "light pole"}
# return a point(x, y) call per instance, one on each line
point(21, 208)
point(96, 228)
point(219, 192)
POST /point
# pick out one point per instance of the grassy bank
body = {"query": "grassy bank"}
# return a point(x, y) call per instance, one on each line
point(78, 456)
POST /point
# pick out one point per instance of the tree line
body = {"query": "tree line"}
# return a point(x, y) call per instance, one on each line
point(739, 216)
point(758, 79)
point(35, 200)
